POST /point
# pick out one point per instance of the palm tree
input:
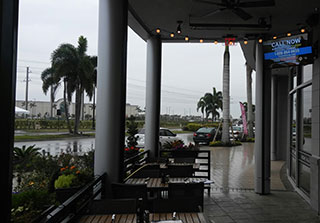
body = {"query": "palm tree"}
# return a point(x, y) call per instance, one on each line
point(226, 96)
point(49, 80)
point(76, 68)
point(249, 100)
point(211, 103)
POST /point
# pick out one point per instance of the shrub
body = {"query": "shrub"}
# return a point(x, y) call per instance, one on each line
point(219, 143)
point(64, 181)
point(27, 205)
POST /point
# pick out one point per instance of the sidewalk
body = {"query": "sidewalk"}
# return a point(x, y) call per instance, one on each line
point(234, 200)
point(248, 207)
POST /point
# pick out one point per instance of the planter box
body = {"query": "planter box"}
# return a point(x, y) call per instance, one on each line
point(64, 194)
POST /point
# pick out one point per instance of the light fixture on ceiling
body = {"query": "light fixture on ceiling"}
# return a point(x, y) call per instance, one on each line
point(179, 27)
point(158, 30)
point(171, 35)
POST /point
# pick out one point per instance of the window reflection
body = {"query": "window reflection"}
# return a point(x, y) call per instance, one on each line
point(306, 115)
point(293, 121)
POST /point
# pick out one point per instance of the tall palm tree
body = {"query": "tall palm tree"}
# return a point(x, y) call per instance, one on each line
point(75, 66)
point(226, 96)
point(249, 100)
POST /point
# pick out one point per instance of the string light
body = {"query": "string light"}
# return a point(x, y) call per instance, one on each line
point(201, 40)
point(302, 30)
point(288, 34)
point(216, 42)
point(186, 38)
point(158, 30)
point(171, 35)
point(260, 40)
point(245, 42)
point(274, 37)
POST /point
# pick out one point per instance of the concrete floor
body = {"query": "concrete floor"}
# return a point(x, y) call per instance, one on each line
point(232, 196)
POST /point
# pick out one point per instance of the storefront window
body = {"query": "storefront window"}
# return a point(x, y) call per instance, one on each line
point(294, 121)
point(304, 177)
point(307, 73)
point(306, 115)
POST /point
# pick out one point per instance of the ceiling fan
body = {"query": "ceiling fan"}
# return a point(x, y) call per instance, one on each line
point(235, 6)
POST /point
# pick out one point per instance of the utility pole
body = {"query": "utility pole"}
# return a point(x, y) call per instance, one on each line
point(27, 87)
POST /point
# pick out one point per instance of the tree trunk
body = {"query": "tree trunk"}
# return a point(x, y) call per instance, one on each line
point(78, 110)
point(94, 108)
point(249, 101)
point(226, 96)
point(66, 109)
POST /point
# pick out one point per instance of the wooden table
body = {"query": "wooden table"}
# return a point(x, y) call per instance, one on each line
point(154, 217)
point(155, 183)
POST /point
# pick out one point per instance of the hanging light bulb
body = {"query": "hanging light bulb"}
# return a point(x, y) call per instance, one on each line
point(171, 35)
point(179, 27)
point(245, 42)
point(302, 30)
point(186, 38)
point(274, 37)
point(158, 30)
point(215, 42)
point(288, 34)
point(260, 40)
point(201, 40)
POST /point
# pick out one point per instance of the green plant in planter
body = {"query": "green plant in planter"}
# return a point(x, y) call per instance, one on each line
point(64, 181)
point(72, 177)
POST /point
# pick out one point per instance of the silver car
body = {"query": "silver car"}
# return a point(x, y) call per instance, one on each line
point(165, 135)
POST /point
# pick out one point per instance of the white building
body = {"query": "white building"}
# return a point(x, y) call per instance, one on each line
point(43, 108)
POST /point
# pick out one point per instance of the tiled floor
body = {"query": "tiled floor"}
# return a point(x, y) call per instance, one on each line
point(234, 200)
point(247, 206)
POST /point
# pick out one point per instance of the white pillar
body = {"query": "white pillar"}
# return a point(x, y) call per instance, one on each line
point(111, 88)
point(263, 119)
point(153, 95)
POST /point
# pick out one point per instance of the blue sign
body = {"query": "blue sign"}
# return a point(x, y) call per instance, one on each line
point(289, 51)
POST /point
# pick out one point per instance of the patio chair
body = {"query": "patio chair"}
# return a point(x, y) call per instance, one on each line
point(179, 171)
point(182, 197)
point(184, 160)
point(144, 173)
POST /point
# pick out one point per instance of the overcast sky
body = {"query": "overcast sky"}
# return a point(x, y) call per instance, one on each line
point(189, 70)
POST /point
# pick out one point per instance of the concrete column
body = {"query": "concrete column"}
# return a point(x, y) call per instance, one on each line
point(111, 88)
point(153, 95)
point(263, 119)
point(315, 153)
point(8, 64)
point(274, 103)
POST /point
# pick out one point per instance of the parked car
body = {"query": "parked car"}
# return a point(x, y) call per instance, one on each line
point(165, 135)
point(204, 135)
point(237, 132)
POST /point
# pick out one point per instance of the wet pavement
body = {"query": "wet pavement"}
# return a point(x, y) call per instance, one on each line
point(233, 167)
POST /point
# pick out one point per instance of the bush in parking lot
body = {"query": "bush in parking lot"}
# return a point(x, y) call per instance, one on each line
point(193, 127)
point(220, 143)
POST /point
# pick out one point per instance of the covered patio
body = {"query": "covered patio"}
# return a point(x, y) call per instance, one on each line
point(250, 23)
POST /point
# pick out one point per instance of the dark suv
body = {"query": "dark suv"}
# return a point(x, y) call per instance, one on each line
point(204, 135)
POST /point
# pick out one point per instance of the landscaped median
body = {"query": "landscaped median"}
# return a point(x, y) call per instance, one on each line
point(44, 137)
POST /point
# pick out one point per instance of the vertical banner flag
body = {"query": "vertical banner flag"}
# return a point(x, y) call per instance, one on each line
point(244, 119)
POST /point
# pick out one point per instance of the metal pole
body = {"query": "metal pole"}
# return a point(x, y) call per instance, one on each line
point(27, 88)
